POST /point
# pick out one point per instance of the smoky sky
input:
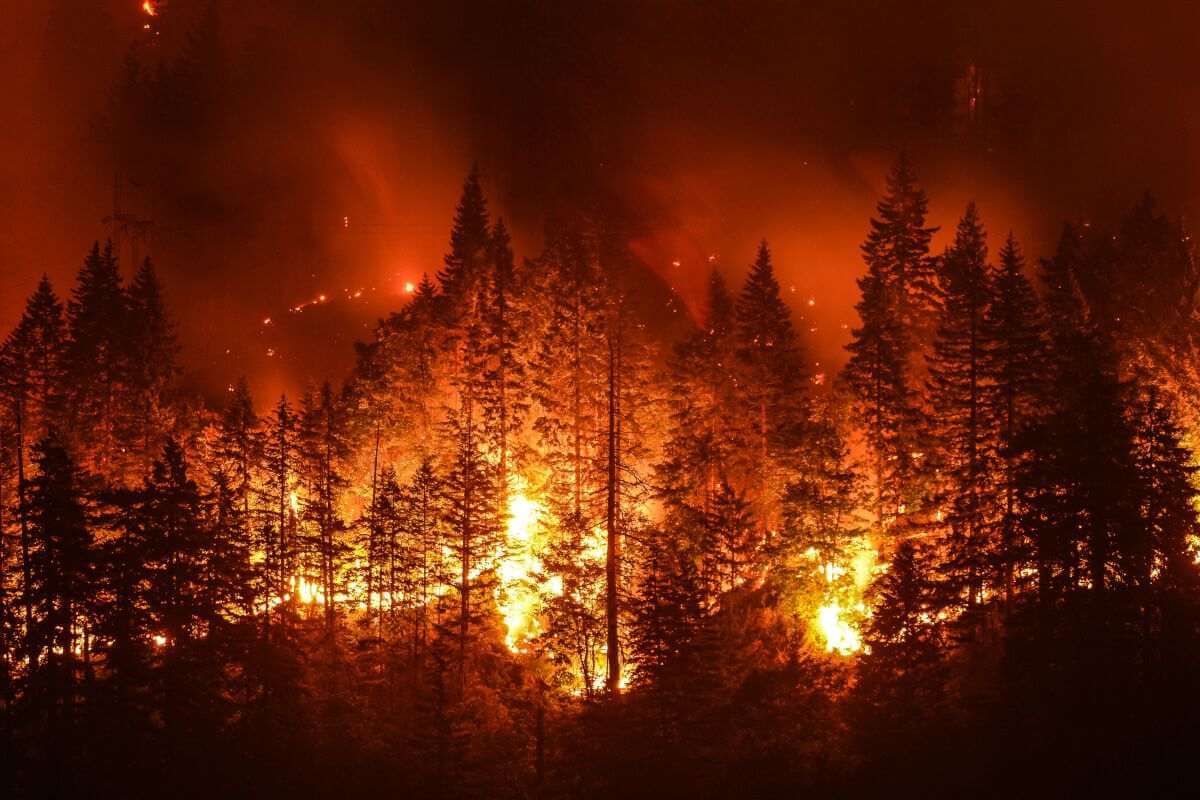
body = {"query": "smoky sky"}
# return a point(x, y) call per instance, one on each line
point(332, 163)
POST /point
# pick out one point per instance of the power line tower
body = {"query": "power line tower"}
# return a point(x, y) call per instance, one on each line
point(128, 231)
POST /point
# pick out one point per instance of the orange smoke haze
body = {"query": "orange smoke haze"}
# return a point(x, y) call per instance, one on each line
point(333, 163)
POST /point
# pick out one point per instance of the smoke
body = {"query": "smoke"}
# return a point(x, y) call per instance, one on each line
point(329, 144)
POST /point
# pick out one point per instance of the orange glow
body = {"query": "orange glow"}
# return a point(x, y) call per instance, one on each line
point(150, 8)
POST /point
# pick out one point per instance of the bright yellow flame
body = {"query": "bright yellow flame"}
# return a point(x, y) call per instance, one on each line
point(294, 500)
point(840, 635)
point(306, 591)
point(839, 616)
point(150, 8)
point(516, 596)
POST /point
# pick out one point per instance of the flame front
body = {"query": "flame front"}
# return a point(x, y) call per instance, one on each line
point(150, 8)
point(517, 596)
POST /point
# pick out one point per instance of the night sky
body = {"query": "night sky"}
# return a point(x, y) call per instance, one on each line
point(336, 167)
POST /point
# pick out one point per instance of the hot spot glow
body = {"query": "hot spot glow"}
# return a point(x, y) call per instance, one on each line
point(840, 635)
point(516, 595)
point(150, 8)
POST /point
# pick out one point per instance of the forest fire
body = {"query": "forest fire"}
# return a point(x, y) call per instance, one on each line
point(692, 454)
point(517, 594)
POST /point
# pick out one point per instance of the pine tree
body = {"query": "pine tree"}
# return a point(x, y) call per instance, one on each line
point(324, 449)
point(728, 551)
point(1016, 365)
point(32, 387)
point(669, 613)
point(60, 584)
point(877, 375)
point(625, 378)
point(568, 366)
point(504, 388)
point(185, 611)
point(96, 359)
point(470, 248)
point(772, 384)
point(702, 437)
point(574, 604)
point(1079, 483)
point(899, 245)
point(238, 451)
point(281, 463)
point(899, 299)
point(962, 426)
point(902, 673)
point(422, 514)
point(152, 353)
point(1157, 549)
point(473, 530)
point(821, 527)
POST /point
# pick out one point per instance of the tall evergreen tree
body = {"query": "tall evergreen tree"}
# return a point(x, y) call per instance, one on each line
point(280, 506)
point(97, 359)
point(60, 587)
point(1016, 365)
point(899, 299)
point(152, 351)
point(32, 387)
point(772, 385)
point(902, 672)
point(963, 426)
point(473, 530)
point(470, 248)
point(504, 390)
point(324, 449)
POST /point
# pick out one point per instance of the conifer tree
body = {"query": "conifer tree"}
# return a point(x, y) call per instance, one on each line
point(470, 249)
point(574, 604)
point(152, 351)
point(1158, 548)
point(473, 530)
point(898, 244)
point(625, 379)
point(821, 527)
point(702, 436)
point(184, 609)
point(504, 390)
point(669, 612)
point(422, 515)
point(568, 364)
point(877, 375)
point(902, 675)
point(32, 387)
point(324, 449)
point(772, 384)
point(1016, 365)
point(239, 450)
point(60, 584)
point(896, 309)
point(962, 425)
point(279, 511)
point(728, 552)
point(96, 356)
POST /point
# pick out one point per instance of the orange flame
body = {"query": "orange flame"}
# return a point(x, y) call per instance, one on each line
point(150, 8)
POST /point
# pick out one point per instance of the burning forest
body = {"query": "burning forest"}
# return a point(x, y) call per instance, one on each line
point(582, 506)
